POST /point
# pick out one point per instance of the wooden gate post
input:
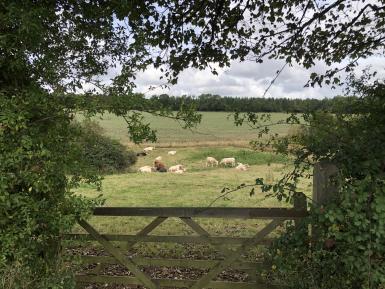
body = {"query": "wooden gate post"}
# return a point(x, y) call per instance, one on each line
point(300, 204)
point(324, 187)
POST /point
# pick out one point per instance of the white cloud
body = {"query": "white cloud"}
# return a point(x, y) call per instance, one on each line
point(244, 79)
point(374, 63)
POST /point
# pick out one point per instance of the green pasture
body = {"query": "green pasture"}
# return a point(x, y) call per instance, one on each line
point(216, 128)
point(200, 186)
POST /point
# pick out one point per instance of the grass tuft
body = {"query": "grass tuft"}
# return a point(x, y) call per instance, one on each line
point(241, 155)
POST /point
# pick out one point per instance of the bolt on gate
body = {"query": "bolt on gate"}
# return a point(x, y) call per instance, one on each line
point(231, 259)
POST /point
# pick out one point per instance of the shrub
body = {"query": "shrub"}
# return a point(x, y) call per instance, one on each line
point(102, 153)
point(347, 251)
point(37, 204)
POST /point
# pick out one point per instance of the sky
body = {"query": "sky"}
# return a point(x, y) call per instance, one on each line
point(249, 79)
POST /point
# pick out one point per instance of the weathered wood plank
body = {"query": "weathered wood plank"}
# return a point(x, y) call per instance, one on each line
point(204, 234)
point(151, 226)
point(124, 280)
point(323, 186)
point(300, 204)
point(220, 266)
point(211, 212)
point(157, 262)
point(195, 226)
point(146, 230)
point(129, 264)
point(167, 239)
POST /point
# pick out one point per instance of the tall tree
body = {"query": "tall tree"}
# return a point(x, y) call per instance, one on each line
point(51, 49)
point(199, 33)
point(49, 52)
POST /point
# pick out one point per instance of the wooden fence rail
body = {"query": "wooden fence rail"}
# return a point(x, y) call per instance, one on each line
point(212, 212)
point(231, 258)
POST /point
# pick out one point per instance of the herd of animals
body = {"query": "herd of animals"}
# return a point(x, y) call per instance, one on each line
point(159, 166)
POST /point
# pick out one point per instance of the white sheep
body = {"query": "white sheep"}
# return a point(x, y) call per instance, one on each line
point(228, 161)
point(148, 149)
point(242, 167)
point(158, 158)
point(146, 169)
point(171, 153)
point(175, 168)
point(210, 161)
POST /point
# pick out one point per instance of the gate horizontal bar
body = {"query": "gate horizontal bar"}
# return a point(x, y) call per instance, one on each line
point(212, 212)
point(198, 264)
point(124, 280)
point(167, 239)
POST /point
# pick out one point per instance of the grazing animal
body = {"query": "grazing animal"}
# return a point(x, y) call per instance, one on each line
point(210, 161)
point(148, 149)
point(158, 158)
point(159, 166)
point(175, 168)
point(179, 172)
point(171, 153)
point(146, 169)
point(162, 170)
point(242, 167)
point(141, 154)
point(228, 161)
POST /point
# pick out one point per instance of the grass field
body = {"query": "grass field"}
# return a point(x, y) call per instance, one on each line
point(198, 187)
point(216, 129)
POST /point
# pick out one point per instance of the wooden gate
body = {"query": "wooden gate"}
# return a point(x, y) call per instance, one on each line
point(232, 259)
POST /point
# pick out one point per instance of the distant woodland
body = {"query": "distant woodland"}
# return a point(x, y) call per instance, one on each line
point(210, 102)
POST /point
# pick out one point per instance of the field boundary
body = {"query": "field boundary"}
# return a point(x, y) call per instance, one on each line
point(194, 144)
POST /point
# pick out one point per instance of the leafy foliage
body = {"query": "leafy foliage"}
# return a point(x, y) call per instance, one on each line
point(346, 248)
point(101, 153)
point(51, 48)
point(197, 34)
point(37, 149)
point(48, 51)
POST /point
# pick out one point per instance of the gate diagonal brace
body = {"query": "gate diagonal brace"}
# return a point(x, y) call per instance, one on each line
point(146, 230)
point(128, 263)
point(203, 233)
point(233, 256)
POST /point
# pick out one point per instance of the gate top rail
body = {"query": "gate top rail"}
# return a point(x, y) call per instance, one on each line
point(204, 212)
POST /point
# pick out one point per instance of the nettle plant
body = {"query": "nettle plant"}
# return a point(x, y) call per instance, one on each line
point(345, 247)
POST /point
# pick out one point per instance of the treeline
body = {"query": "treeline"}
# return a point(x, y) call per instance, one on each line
point(209, 102)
